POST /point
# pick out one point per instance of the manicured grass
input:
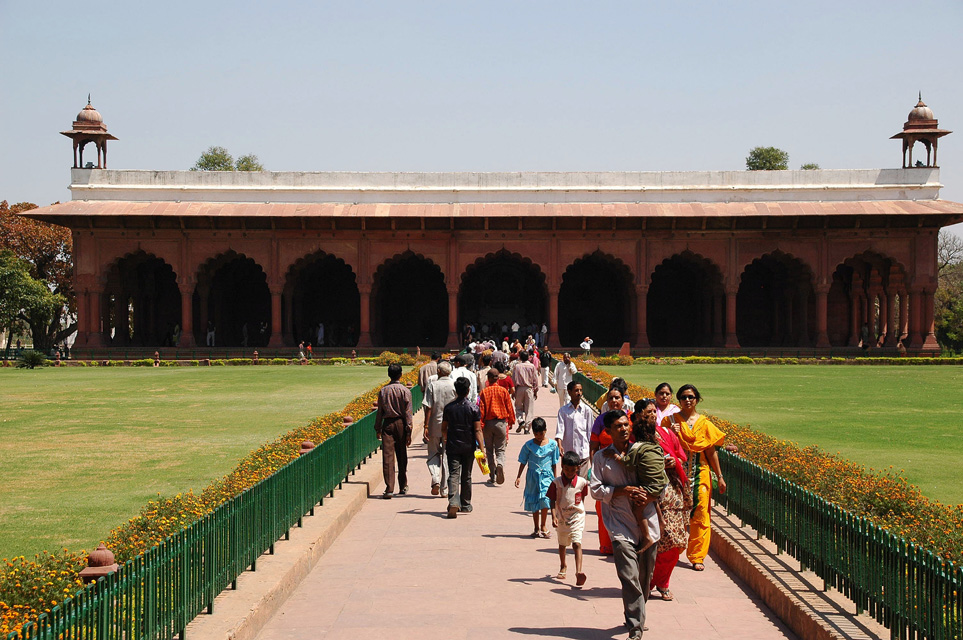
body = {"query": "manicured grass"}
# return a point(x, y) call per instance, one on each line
point(879, 416)
point(84, 449)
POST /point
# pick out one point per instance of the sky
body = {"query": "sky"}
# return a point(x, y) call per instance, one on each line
point(489, 86)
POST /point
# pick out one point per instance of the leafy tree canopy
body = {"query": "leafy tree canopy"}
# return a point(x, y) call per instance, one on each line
point(767, 159)
point(219, 159)
point(809, 166)
point(949, 292)
point(47, 249)
point(22, 296)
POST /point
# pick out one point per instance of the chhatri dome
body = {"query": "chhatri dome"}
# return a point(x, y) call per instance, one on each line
point(920, 126)
point(89, 127)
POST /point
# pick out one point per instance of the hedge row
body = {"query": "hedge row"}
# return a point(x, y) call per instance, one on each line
point(30, 587)
point(383, 359)
point(885, 498)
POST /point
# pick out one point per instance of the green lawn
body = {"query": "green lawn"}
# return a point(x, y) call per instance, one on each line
point(84, 449)
point(905, 417)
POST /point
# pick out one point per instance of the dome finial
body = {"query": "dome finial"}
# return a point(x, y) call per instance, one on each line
point(88, 99)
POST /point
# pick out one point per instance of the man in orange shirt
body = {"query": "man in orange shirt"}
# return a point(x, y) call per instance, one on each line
point(497, 417)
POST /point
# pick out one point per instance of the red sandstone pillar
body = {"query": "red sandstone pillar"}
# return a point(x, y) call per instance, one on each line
point(903, 315)
point(822, 317)
point(83, 317)
point(287, 332)
point(892, 331)
point(95, 335)
point(854, 323)
point(802, 318)
point(915, 311)
point(641, 313)
point(553, 342)
point(454, 340)
point(364, 338)
point(275, 341)
point(732, 340)
point(187, 314)
point(884, 317)
point(929, 322)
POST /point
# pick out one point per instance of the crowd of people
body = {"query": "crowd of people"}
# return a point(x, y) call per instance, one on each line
point(647, 463)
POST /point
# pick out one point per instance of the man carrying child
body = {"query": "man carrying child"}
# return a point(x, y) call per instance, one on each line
point(613, 482)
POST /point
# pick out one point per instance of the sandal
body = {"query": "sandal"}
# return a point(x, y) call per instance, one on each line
point(666, 594)
point(544, 534)
point(698, 566)
point(535, 533)
point(561, 575)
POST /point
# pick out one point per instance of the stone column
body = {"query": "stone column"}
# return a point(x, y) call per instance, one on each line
point(553, 318)
point(641, 313)
point(186, 286)
point(892, 331)
point(822, 317)
point(83, 313)
point(288, 319)
point(364, 337)
point(903, 315)
point(884, 317)
point(95, 329)
point(454, 339)
point(929, 321)
point(275, 340)
point(204, 295)
point(854, 320)
point(915, 315)
point(732, 340)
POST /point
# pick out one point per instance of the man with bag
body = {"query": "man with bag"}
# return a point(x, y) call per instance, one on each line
point(461, 431)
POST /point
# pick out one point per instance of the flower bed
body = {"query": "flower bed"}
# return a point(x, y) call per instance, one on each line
point(885, 498)
point(29, 587)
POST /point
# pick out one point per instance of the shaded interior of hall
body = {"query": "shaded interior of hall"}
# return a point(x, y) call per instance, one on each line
point(503, 288)
point(685, 304)
point(321, 289)
point(143, 302)
point(409, 303)
point(232, 296)
point(596, 299)
point(775, 305)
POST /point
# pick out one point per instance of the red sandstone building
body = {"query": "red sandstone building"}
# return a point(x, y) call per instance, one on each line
point(667, 261)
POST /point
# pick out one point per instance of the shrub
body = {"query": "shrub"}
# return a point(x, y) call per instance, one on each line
point(387, 357)
point(31, 360)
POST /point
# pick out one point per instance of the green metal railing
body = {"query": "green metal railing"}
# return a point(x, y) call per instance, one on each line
point(910, 590)
point(591, 390)
point(155, 595)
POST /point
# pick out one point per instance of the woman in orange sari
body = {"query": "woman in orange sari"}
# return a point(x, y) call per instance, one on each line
point(698, 435)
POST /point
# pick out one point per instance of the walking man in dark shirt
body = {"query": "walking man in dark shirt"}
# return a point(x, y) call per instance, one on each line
point(393, 425)
point(461, 429)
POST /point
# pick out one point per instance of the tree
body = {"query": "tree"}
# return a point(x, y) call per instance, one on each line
point(21, 296)
point(219, 159)
point(48, 250)
point(767, 159)
point(949, 292)
point(809, 166)
point(248, 162)
point(214, 159)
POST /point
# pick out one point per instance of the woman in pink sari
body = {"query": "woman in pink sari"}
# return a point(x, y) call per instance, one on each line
point(675, 502)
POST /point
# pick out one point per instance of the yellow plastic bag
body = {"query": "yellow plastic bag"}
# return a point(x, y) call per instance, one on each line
point(482, 462)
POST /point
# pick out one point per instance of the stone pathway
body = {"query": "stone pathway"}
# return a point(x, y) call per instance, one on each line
point(402, 570)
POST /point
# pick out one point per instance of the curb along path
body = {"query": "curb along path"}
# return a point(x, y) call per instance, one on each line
point(400, 569)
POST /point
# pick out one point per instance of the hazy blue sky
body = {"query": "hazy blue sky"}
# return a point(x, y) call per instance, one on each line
point(481, 86)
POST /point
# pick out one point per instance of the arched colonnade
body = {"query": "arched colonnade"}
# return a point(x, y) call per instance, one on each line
point(773, 299)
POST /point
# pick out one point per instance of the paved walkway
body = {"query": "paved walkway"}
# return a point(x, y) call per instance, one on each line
point(402, 570)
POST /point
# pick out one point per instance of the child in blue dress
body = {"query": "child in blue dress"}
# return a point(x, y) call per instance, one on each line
point(541, 455)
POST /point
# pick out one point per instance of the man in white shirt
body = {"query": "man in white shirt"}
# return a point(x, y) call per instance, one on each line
point(574, 428)
point(461, 372)
point(564, 371)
